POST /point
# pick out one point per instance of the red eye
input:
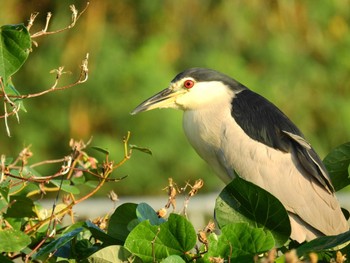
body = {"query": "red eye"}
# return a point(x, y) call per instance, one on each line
point(188, 84)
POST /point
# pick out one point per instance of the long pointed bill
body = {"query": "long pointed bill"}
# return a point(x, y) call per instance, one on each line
point(164, 99)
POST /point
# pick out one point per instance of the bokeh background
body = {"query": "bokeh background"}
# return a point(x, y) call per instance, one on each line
point(295, 53)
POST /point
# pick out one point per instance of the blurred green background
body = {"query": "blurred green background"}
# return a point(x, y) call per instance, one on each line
point(295, 53)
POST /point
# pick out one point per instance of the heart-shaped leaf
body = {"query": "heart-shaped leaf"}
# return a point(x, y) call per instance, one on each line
point(15, 45)
point(174, 237)
point(239, 242)
point(242, 201)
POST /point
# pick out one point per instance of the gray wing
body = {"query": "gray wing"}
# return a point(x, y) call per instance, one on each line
point(264, 122)
point(310, 161)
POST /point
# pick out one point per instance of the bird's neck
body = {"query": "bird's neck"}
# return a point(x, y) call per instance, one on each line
point(203, 129)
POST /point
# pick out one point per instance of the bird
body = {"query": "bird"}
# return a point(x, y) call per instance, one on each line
point(239, 132)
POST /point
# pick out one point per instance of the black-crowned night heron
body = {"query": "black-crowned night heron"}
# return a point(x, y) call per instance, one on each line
point(234, 129)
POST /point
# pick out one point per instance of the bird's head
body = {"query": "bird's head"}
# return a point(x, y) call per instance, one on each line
point(193, 89)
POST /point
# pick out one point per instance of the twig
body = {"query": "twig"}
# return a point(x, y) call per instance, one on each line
point(127, 152)
point(108, 169)
point(153, 242)
point(75, 17)
point(15, 107)
point(83, 77)
point(194, 190)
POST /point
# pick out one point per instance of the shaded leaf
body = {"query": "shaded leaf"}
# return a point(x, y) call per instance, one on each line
point(99, 234)
point(12, 240)
point(324, 243)
point(118, 225)
point(146, 212)
point(4, 190)
point(21, 207)
point(141, 149)
point(242, 201)
point(239, 242)
point(66, 186)
point(84, 248)
point(337, 163)
point(174, 237)
point(58, 243)
point(4, 259)
point(101, 150)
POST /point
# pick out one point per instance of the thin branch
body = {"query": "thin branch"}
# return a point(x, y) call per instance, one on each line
point(48, 162)
point(75, 17)
point(7, 100)
point(108, 168)
point(31, 20)
point(83, 77)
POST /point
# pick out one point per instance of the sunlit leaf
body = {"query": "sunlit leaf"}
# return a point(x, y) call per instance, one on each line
point(239, 242)
point(110, 254)
point(66, 186)
point(174, 237)
point(173, 259)
point(15, 44)
point(12, 240)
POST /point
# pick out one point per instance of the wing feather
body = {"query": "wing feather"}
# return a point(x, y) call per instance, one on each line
point(264, 122)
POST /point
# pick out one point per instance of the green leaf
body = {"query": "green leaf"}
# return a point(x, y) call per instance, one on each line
point(66, 186)
point(240, 242)
point(78, 180)
point(173, 259)
point(16, 223)
point(337, 163)
point(84, 248)
point(118, 225)
point(99, 234)
point(146, 212)
point(141, 149)
point(174, 237)
point(91, 183)
point(21, 207)
point(4, 190)
point(109, 254)
point(58, 243)
point(242, 201)
point(29, 172)
point(12, 240)
point(15, 45)
point(324, 243)
point(4, 259)
point(101, 150)
point(11, 90)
